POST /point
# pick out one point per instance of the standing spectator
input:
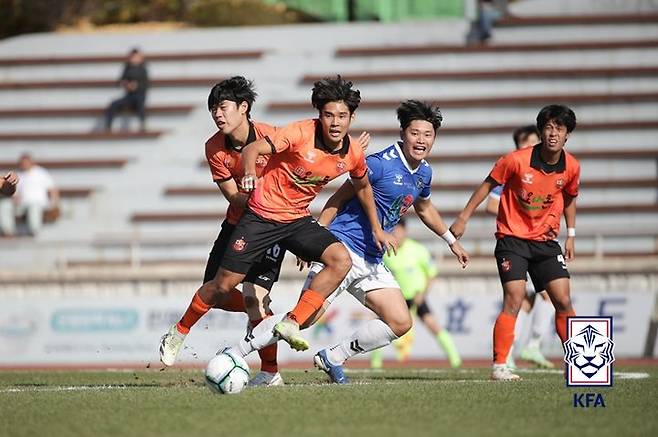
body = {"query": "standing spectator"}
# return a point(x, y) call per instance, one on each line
point(134, 80)
point(8, 184)
point(35, 194)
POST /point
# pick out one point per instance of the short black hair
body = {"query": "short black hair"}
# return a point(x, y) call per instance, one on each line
point(411, 110)
point(560, 114)
point(236, 89)
point(335, 90)
point(521, 134)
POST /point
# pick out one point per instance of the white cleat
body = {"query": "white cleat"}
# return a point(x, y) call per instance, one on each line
point(503, 373)
point(288, 331)
point(266, 379)
point(170, 345)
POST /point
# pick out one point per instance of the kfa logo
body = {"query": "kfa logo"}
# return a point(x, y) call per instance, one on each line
point(589, 351)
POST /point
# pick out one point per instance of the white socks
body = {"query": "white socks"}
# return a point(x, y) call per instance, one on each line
point(372, 335)
point(542, 316)
point(260, 337)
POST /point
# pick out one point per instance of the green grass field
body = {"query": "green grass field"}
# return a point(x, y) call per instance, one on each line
point(402, 402)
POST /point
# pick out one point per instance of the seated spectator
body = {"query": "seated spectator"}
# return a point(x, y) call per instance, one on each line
point(35, 195)
point(134, 80)
point(488, 12)
point(8, 184)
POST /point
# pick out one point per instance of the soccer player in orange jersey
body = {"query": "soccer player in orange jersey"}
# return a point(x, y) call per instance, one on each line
point(541, 184)
point(305, 156)
point(230, 103)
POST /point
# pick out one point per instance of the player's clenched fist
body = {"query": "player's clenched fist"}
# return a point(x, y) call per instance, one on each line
point(248, 182)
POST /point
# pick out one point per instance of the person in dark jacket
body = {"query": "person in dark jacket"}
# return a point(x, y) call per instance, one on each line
point(134, 80)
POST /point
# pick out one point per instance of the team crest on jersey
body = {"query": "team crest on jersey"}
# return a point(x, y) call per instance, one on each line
point(527, 178)
point(340, 166)
point(398, 179)
point(506, 265)
point(261, 161)
point(420, 183)
point(589, 351)
point(559, 183)
point(239, 244)
point(310, 156)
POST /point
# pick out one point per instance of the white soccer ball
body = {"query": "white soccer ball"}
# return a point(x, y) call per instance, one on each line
point(227, 373)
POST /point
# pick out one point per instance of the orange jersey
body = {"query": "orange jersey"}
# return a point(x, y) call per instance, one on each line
point(225, 161)
point(531, 204)
point(298, 170)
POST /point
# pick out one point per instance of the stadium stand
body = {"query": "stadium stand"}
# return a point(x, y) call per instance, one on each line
point(139, 199)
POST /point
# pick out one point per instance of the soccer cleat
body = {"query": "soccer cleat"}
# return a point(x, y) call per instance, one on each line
point(534, 355)
point(288, 331)
point(501, 372)
point(170, 345)
point(334, 371)
point(266, 379)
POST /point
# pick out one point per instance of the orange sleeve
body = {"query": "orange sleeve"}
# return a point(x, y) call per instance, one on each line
point(503, 169)
point(360, 168)
point(287, 137)
point(218, 170)
point(573, 185)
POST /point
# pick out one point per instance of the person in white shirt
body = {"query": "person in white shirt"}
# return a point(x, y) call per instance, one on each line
point(35, 194)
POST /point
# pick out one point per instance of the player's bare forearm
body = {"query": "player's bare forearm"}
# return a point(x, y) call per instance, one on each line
point(481, 192)
point(251, 152)
point(335, 203)
point(231, 193)
point(430, 216)
point(569, 210)
point(363, 192)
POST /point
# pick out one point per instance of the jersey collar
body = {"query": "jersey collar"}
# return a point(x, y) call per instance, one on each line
point(404, 160)
point(250, 139)
point(538, 164)
point(320, 144)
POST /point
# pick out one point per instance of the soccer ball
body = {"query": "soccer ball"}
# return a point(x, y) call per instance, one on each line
point(227, 373)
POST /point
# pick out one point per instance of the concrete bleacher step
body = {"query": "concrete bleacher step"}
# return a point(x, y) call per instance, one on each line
point(405, 50)
point(579, 20)
point(88, 111)
point(78, 136)
point(498, 74)
point(497, 101)
point(119, 59)
point(204, 81)
point(77, 164)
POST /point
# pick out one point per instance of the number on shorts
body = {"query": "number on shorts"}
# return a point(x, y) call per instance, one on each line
point(561, 260)
point(274, 251)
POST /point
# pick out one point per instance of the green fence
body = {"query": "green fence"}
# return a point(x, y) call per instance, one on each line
point(380, 10)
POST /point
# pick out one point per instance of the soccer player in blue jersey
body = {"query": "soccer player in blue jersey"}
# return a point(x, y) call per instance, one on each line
point(400, 178)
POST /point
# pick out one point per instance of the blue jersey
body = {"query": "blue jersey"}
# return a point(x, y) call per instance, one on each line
point(395, 187)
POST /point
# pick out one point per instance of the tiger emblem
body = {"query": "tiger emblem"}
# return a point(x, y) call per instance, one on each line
point(589, 351)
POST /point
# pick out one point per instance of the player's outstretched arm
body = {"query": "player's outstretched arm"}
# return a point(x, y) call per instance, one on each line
point(478, 196)
point(250, 154)
point(335, 203)
point(363, 191)
point(570, 219)
point(432, 219)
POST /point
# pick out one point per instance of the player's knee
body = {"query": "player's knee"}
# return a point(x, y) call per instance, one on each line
point(562, 304)
point(400, 325)
point(340, 261)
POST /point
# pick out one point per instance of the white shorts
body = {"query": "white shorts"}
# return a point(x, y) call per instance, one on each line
point(362, 278)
